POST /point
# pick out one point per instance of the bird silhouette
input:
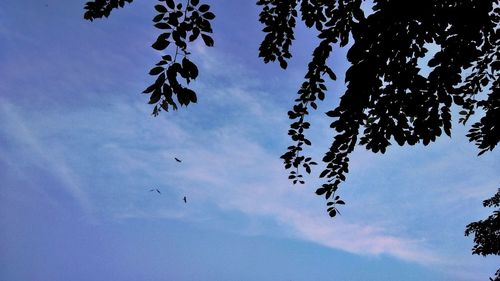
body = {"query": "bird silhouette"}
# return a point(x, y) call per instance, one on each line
point(155, 189)
point(178, 160)
point(185, 199)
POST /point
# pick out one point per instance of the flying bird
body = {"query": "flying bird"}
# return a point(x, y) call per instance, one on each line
point(155, 189)
point(185, 199)
point(178, 160)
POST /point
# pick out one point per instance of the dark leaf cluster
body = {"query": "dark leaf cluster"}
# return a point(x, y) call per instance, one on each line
point(388, 98)
point(102, 8)
point(496, 277)
point(279, 18)
point(180, 24)
point(487, 232)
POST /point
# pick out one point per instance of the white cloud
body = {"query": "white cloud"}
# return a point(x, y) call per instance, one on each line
point(246, 178)
point(43, 154)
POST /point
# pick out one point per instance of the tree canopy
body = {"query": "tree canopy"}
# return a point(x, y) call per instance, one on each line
point(388, 98)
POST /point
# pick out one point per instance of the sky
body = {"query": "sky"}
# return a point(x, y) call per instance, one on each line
point(80, 151)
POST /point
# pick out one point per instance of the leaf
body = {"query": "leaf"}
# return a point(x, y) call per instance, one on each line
point(182, 96)
point(164, 105)
point(172, 73)
point(203, 8)
point(160, 44)
point(320, 191)
point(333, 213)
point(156, 70)
point(324, 173)
point(283, 63)
point(482, 152)
point(162, 25)
point(161, 9)
point(167, 91)
point(190, 67)
point(195, 33)
point(209, 15)
point(208, 40)
point(321, 95)
point(331, 113)
point(155, 97)
point(331, 73)
point(170, 4)
point(191, 95)
point(149, 89)
point(158, 17)
point(160, 80)
point(195, 2)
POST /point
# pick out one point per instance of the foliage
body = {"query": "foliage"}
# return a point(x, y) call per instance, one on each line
point(102, 8)
point(387, 99)
point(180, 24)
point(487, 232)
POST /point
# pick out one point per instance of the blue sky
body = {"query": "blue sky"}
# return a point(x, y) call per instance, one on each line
point(79, 152)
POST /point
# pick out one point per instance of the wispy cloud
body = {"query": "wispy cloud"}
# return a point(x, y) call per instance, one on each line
point(43, 154)
point(242, 176)
point(230, 164)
